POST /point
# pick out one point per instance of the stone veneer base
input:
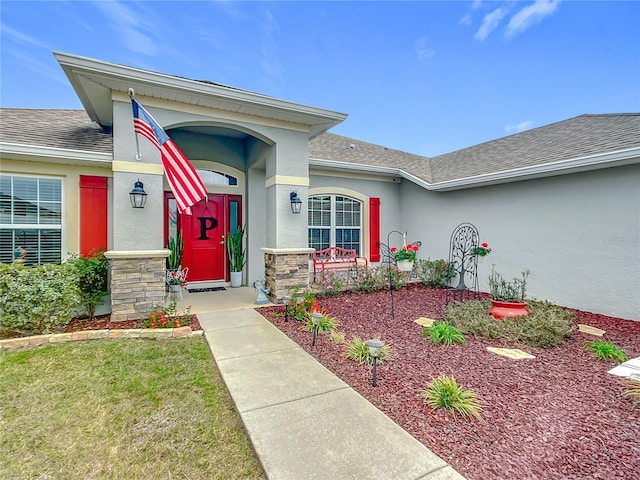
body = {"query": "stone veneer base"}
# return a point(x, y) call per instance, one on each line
point(286, 271)
point(137, 286)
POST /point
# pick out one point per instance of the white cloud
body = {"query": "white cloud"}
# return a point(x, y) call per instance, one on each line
point(489, 23)
point(530, 15)
point(466, 20)
point(519, 127)
point(269, 47)
point(20, 37)
point(423, 50)
point(130, 26)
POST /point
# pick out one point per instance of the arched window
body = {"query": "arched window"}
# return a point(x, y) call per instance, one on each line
point(335, 220)
point(211, 177)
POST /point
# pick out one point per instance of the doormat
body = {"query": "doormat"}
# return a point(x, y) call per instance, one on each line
point(210, 289)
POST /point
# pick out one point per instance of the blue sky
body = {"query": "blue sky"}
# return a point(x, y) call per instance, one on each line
point(424, 77)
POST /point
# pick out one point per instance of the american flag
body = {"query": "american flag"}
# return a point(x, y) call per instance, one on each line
point(183, 179)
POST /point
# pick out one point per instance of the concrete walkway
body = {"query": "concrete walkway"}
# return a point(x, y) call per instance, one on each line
point(303, 421)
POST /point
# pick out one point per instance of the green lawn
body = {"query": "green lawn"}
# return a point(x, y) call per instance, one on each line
point(119, 409)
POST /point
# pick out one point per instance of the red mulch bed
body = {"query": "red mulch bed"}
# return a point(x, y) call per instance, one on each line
point(558, 416)
point(104, 322)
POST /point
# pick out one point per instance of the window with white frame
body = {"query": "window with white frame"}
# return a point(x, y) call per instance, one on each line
point(335, 221)
point(31, 218)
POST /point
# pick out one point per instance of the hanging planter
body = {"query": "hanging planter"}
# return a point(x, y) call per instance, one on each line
point(404, 265)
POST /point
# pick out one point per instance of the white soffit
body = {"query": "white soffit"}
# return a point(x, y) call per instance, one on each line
point(93, 81)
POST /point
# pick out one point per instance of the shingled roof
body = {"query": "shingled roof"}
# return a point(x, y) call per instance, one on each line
point(66, 129)
point(581, 136)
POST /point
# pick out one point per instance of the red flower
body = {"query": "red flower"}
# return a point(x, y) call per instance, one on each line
point(485, 245)
point(394, 249)
point(416, 248)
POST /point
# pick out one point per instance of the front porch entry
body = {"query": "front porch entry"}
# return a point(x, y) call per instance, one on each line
point(204, 234)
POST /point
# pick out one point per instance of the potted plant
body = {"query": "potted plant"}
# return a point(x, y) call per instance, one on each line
point(176, 279)
point(405, 257)
point(482, 251)
point(236, 254)
point(508, 297)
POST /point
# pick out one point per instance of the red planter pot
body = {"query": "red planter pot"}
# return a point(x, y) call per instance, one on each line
point(508, 309)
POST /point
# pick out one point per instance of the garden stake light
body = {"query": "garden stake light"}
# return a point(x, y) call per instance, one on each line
point(315, 318)
point(374, 349)
point(287, 305)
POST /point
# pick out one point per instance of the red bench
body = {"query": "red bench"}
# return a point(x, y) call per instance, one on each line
point(335, 258)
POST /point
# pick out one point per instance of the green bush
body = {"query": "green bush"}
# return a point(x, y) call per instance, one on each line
point(546, 326)
point(368, 279)
point(445, 333)
point(607, 350)
point(326, 324)
point(435, 273)
point(332, 284)
point(38, 299)
point(92, 279)
point(444, 392)
point(358, 350)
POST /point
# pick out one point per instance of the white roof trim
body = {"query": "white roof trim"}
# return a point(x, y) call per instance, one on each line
point(51, 153)
point(581, 164)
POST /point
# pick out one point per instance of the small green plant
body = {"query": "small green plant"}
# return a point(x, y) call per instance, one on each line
point(176, 246)
point(301, 304)
point(358, 350)
point(337, 337)
point(631, 388)
point(391, 277)
point(168, 317)
point(445, 333)
point(508, 291)
point(435, 273)
point(326, 324)
point(235, 251)
point(332, 284)
point(607, 350)
point(444, 392)
point(92, 279)
point(368, 279)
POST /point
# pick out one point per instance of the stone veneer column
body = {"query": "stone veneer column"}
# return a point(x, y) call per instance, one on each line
point(286, 269)
point(137, 283)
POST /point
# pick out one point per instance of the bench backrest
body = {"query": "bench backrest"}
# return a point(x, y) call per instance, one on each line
point(334, 255)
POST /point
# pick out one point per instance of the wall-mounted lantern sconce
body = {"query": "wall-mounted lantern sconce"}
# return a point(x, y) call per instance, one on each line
point(138, 196)
point(296, 203)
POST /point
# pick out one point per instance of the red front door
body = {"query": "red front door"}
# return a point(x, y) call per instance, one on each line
point(203, 234)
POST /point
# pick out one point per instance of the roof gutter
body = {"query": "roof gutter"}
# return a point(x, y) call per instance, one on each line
point(582, 164)
point(51, 154)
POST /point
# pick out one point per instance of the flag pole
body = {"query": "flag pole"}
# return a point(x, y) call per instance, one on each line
point(138, 155)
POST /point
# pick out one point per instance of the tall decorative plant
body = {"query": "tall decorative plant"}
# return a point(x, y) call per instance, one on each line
point(235, 250)
point(176, 245)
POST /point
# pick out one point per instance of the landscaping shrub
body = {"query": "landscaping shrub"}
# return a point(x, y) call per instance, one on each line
point(368, 280)
point(168, 317)
point(37, 299)
point(435, 273)
point(546, 326)
point(92, 279)
point(332, 284)
point(444, 392)
point(445, 333)
point(607, 350)
point(326, 324)
point(358, 350)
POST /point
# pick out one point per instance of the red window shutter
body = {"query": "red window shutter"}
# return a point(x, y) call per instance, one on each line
point(93, 213)
point(374, 229)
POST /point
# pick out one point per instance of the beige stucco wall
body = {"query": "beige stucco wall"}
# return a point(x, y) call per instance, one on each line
point(70, 175)
point(578, 234)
